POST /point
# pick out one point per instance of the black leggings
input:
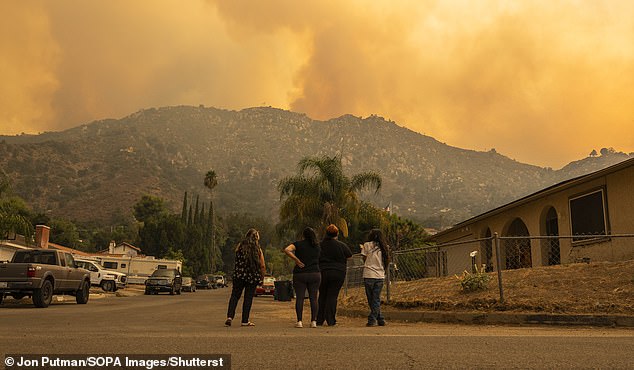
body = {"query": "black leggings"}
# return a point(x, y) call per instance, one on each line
point(301, 282)
point(236, 291)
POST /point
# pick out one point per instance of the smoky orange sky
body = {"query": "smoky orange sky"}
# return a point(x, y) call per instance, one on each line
point(543, 82)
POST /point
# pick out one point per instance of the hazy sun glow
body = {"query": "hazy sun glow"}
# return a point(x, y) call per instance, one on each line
point(543, 82)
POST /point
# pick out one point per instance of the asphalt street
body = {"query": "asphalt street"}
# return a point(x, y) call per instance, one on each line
point(192, 323)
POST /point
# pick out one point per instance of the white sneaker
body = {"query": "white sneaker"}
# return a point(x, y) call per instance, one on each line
point(299, 325)
point(313, 324)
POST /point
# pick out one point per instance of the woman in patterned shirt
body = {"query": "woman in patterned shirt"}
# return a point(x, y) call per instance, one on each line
point(248, 273)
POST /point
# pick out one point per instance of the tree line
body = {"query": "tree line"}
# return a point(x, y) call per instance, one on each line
point(320, 193)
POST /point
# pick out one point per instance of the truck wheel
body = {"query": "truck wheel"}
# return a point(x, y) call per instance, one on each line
point(147, 292)
point(108, 285)
point(42, 297)
point(83, 293)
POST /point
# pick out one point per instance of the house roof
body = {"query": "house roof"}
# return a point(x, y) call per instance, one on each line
point(107, 250)
point(69, 250)
point(130, 246)
point(541, 193)
point(12, 244)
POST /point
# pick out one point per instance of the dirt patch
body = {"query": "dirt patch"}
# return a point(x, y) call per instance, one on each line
point(595, 288)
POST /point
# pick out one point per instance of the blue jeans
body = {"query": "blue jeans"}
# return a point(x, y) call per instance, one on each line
point(373, 289)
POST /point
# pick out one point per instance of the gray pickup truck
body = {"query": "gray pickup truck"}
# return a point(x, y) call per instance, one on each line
point(42, 273)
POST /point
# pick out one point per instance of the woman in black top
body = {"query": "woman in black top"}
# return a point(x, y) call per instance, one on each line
point(248, 273)
point(306, 274)
point(332, 263)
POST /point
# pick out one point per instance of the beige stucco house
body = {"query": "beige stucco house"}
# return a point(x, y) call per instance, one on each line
point(576, 220)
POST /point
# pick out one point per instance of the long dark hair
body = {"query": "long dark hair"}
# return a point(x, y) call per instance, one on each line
point(376, 236)
point(250, 247)
point(309, 234)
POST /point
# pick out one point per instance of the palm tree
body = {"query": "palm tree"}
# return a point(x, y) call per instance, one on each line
point(210, 182)
point(321, 194)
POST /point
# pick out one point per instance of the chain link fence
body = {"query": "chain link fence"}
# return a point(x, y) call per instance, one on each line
point(484, 255)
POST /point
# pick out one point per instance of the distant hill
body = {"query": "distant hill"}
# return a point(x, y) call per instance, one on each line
point(96, 172)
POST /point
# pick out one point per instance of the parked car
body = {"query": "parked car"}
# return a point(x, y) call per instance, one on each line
point(267, 287)
point(41, 273)
point(108, 280)
point(221, 282)
point(206, 282)
point(164, 280)
point(189, 285)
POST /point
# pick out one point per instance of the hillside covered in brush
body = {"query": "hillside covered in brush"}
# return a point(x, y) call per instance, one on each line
point(97, 171)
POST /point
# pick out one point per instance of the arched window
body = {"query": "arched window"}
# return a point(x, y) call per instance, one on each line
point(518, 250)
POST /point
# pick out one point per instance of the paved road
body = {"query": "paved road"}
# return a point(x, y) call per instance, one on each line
point(193, 323)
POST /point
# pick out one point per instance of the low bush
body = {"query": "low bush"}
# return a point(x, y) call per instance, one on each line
point(474, 281)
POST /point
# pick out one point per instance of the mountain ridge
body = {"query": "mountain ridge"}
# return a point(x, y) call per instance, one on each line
point(95, 172)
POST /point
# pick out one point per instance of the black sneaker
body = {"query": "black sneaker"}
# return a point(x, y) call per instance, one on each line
point(371, 324)
point(381, 323)
point(228, 322)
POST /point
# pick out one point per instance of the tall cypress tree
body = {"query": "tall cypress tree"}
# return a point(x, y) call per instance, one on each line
point(184, 209)
point(210, 182)
point(201, 217)
point(196, 212)
point(208, 222)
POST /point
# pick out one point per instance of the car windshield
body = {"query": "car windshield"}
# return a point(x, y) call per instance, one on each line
point(163, 273)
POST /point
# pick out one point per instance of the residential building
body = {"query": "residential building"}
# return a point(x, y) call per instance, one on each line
point(575, 220)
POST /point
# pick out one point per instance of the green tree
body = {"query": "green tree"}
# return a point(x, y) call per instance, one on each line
point(159, 234)
point(14, 213)
point(405, 234)
point(210, 182)
point(184, 209)
point(235, 226)
point(178, 255)
point(149, 207)
point(400, 233)
point(65, 233)
point(321, 194)
point(5, 184)
point(277, 263)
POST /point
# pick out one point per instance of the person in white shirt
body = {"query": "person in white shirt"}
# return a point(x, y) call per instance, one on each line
point(376, 254)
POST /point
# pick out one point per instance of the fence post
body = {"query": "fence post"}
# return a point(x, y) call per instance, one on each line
point(498, 258)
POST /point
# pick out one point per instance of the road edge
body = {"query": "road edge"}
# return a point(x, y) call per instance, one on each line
point(497, 318)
